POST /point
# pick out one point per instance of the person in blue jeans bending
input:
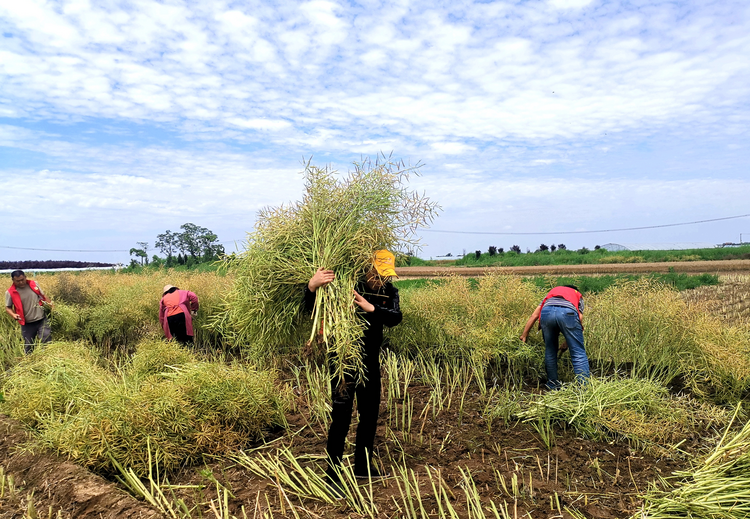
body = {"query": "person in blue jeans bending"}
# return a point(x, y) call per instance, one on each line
point(561, 311)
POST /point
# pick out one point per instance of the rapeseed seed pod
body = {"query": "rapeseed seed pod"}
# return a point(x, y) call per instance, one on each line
point(337, 225)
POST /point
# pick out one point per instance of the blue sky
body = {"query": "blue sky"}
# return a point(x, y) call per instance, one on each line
point(120, 120)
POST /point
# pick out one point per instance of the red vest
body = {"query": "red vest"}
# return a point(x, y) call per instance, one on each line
point(16, 298)
point(569, 294)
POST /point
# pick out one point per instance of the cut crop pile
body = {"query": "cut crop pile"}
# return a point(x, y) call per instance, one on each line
point(165, 404)
point(717, 487)
point(637, 410)
point(338, 225)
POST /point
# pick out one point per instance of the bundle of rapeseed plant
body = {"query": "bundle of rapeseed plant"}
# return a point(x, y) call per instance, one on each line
point(11, 343)
point(717, 487)
point(164, 404)
point(639, 410)
point(155, 356)
point(338, 225)
point(58, 378)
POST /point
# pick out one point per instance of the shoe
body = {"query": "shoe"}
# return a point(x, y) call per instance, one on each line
point(333, 486)
point(373, 474)
point(334, 490)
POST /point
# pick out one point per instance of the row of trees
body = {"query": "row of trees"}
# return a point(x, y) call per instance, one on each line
point(194, 244)
point(515, 248)
point(492, 251)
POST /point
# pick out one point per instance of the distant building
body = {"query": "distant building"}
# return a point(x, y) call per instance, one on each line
point(616, 247)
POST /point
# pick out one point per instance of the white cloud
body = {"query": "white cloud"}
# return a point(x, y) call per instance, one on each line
point(450, 148)
point(259, 124)
point(570, 4)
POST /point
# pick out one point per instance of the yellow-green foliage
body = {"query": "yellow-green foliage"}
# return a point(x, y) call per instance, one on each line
point(118, 310)
point(57, 379)
point(639, 410)
point(454, 319)
point(650, 330)
point(235, 397)
point(11, 343)
point(157, 356)
point(716, 487)
point(183, 411)
point(643, 327)
point(642, 324)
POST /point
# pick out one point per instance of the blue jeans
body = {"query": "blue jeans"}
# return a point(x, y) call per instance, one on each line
point(555, 320)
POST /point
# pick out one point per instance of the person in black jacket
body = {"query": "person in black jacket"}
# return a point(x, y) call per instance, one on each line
point(378, 300)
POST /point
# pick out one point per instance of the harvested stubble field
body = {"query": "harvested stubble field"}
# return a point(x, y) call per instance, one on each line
point(464, 429)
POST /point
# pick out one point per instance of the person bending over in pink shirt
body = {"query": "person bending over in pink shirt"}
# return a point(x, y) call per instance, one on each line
point(176, 310)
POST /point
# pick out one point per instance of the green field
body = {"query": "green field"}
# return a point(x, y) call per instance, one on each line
point(588, 257)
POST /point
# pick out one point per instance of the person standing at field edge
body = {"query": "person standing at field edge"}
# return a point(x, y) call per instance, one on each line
point(561, 311)
point(379, 302)
point(24, 302)
point(176, 311)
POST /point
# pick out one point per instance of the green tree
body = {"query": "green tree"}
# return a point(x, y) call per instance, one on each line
point(167, 243)
point(199, 242)
point(144, 247)
point(139, 253)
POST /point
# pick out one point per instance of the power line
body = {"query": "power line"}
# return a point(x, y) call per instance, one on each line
point(590, 232)
point(440, 231)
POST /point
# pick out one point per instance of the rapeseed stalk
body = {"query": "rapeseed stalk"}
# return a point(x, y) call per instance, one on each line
point(337, 225)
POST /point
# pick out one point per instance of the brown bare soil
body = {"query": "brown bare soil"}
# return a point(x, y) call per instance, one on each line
point(691, 267)
point(58, 486)
point(600, 480)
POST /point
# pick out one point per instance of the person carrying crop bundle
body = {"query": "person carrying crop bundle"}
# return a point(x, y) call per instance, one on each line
point(561, 311)
point(176, 310)
point(378, 300)
point(24, 302)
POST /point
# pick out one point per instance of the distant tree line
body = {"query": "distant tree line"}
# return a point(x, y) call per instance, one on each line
point(50, 264)
point(193, 245)
point(493, 250)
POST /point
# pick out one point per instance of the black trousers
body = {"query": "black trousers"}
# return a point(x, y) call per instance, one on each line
point(368, 407)
point(178, 328)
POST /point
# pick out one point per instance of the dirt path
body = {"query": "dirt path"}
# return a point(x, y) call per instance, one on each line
point(688, 267)
point(59, 484)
